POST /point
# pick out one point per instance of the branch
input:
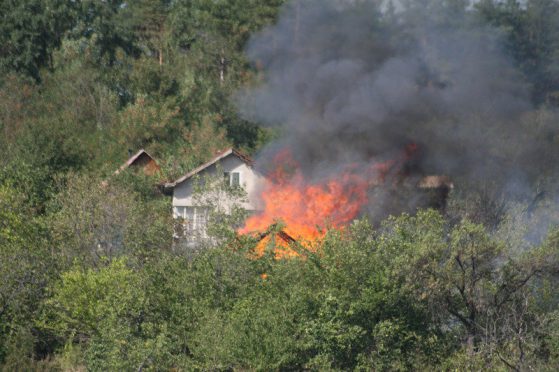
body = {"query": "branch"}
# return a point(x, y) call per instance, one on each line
point(507, 363)
point(460, 317)
point(514, 288)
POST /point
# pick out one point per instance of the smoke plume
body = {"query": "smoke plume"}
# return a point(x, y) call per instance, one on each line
point(349, 82)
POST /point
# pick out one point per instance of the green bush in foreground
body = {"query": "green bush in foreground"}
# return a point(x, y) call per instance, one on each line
point(415, 293)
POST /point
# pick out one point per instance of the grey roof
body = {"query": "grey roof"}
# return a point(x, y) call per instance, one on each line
point(221, 155)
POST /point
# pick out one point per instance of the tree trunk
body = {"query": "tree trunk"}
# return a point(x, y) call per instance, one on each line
point(221, 69)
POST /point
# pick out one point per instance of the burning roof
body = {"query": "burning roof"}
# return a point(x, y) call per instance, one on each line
point(308, 207)
point(285, 237)
point(435, 182)
point(277, 238)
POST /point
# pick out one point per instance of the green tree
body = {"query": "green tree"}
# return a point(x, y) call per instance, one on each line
point(210, 38)
point(105, 27)
point(93, 223)
point(26, 266)
point(149, 24)
point(466, 276)
point(30, 30)
point(101, 310)
point(532, 37)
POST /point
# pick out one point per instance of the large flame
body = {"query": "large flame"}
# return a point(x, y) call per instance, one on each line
point(307, 209)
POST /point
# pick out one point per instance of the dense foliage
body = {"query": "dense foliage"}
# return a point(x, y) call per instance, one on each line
point(90, 277)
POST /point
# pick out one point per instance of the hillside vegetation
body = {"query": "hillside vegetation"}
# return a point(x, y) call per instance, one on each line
point(90, 278)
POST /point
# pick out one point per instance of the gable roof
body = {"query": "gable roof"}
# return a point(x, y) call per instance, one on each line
point(435, 182)
point(285, 237)
point(220, 155)
point(137, 156)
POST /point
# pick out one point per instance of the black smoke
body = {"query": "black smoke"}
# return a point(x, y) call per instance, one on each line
point(348, 81)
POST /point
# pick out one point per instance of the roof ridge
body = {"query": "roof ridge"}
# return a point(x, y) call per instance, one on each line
point(132, 159)
point(219, 155)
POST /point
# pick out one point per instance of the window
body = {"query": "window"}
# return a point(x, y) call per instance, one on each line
point(235, 179)
point(232, 179)
point(188, 216)
point(195, 222)
point(200, 221)
point(180, 212)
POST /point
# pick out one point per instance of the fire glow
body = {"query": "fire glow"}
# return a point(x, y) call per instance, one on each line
point(309, 209)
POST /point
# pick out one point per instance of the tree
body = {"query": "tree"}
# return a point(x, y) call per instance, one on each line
point(106, 29)
point(532, 38)
point(26, 266)
point(465, 276)
point(146, 123)
point(209, 38)
point(149, 23)
point(220, 29)
point(100, 310)
point(30, 30)
point(93, 224)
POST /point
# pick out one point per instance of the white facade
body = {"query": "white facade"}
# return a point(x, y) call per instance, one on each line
point(249, 179)
point(232, 169)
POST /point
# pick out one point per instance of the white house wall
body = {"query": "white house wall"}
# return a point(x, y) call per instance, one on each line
point(251, 181)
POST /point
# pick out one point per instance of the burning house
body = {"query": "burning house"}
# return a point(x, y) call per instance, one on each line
point(306, 207)
point(365, 116)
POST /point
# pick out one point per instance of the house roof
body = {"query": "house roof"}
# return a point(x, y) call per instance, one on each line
point(137, 156)
point(220, 155)
point(281, 234)
point(435, 182)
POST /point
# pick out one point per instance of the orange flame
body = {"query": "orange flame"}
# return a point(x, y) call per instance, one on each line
point(308, 209)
